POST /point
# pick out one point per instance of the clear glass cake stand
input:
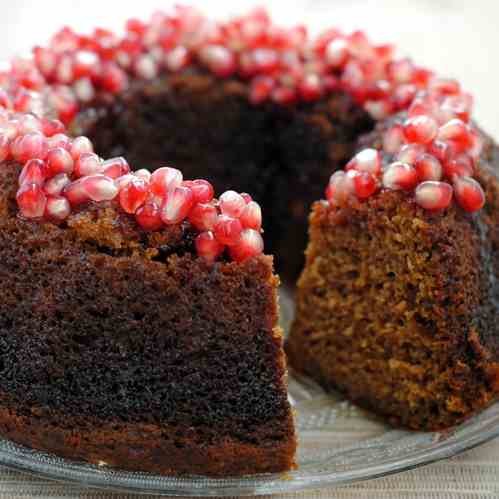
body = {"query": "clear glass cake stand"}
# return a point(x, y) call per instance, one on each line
point(338, 444)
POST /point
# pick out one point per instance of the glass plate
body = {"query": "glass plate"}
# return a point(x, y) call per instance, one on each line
point(338, 443)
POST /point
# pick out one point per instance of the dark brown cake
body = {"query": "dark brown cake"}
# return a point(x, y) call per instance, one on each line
point(397, 306)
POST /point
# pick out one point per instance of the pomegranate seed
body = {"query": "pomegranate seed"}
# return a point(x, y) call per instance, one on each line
point(251, 217)
point(45, 59)
point(367, 160)
point(59, 161)
point(469, 193)
point(52, 127)
point(443, 151)
point(99, 188)
point(403, 95)
point(85, 63)
point(203, 216)
point(208, 247)
point(56, 184)
point(4, 147)
point(29, 146)
point(400, 176)
point(428, 167)
point(79, 146)
point(393, 139)
point(177, 205)
point(87, 164)
point(113, 79)
point(34, 172)
point(29, 124)
point(202, 190)
point(365, 184)
point(379, 109)
point(247, 198)
point(144, 174)
point(420, 129)
point(261, 89)
point(409, 153)
point(59, 140)
point(310, 88)
point(177, 59)
point(218, 59)
point(84, 89)
point(459, 106)
point(444, 86)
point(340, 189)
point(165, 180)
point(75, 193)
point(232, 204)
point(461, 165)
point(401, 71)
point(148, 217)
point(433, 195)
point(31, 200)
point(115, 167)
point(133, 195)
point(123, 181)
point(57, 208)
point(146, 67)
point(336, 53)
point(284, 95)
point(250, 244)
point(227, 230)
point(457, 131)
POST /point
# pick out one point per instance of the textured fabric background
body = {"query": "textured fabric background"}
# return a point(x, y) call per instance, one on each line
point(458, 37)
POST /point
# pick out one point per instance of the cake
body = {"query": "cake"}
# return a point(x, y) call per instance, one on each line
point(139, 311)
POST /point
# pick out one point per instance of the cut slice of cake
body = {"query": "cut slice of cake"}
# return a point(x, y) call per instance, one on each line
point(397, 304)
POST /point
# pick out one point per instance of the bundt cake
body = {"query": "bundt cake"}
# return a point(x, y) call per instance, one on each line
point(138, 313)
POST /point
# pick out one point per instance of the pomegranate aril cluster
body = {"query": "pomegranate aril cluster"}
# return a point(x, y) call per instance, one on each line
point(61, 173)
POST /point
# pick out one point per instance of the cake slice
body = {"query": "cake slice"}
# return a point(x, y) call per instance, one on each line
point(134, 349)
point(397, 304)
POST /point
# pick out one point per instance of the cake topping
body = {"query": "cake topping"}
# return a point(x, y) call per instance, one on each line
point(430, 147)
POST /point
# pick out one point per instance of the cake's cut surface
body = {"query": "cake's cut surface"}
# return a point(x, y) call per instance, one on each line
point(397, 306)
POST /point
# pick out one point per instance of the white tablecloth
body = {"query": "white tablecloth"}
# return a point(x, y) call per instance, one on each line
point(458, 37)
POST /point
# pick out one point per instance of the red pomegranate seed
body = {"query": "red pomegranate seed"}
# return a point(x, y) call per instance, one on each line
point(52, 127)
point(219, 59)
point(148, 217)
point(310, 88)
point(400, 176)
point(28, 124)
point(31, 200)
point(177, 59)
point(232, 204)
point(4, 147)
point(177, 205)
point(403, 95)
point(202, 190)
point(227, 230)
point(340, 189)
point(443, 151)
point(461, 165)
point(284, 95)
point(79, 146)
point(401, 71)
point(115, 167)
point(444, 86)
point(57, 208)
point(208, 247)
point(33, 172)
point(409, 153)
point(165, 180)
point(75, 193)
point(59, 140)
point(428, 167)
point(251, 217)
point(365, 184)
point(29, 146)
point(88, 163)
point(367, 160)
point(261, 89)
point(56, 184)
point(457, 131)
point(420, 129)
point(433, 195)
point(203, 216)
point(336, 53)
point(146, 67)
point(247, 198)
point(393, 139)
point(113, 79)
point(250, 244)
point(459, 105)
point(99, 188)
point(144, 174)
point(469, 193)
point(59, 161)
point(133, 195)
point(85, 63)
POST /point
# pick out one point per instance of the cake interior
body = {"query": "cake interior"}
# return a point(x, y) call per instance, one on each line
point(283, 156)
